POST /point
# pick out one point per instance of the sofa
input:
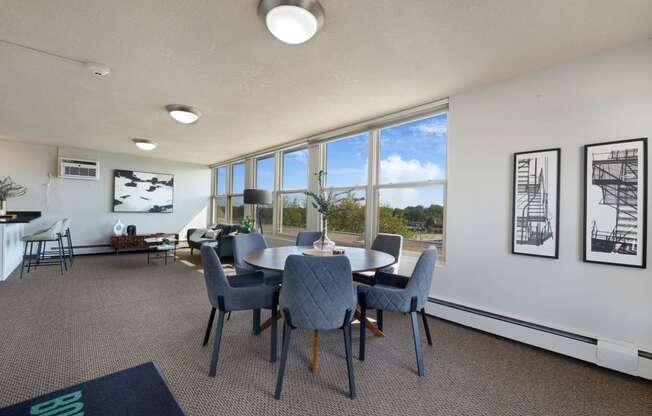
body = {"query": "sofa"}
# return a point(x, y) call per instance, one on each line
point(223, 242)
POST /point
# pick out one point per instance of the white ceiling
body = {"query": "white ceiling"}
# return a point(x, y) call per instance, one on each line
point(371, 57)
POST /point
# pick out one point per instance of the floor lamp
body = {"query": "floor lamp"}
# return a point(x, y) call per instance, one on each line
point(257, 197)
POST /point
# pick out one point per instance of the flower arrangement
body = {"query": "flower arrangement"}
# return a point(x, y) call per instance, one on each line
point(9, 189)
point(327, 203)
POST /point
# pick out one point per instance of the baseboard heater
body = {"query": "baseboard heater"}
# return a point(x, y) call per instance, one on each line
point(586, 348)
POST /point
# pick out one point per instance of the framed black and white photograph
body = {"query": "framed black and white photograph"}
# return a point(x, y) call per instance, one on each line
point(142, 191)
point(535, 202)
point(615, 202)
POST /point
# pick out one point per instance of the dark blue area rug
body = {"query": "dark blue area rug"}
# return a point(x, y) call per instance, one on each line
point(135, 391)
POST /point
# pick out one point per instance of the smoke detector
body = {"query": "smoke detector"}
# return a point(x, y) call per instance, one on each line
point(98, 70)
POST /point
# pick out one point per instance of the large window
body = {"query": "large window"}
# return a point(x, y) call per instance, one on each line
point(347, 170)
point(392, 179)
point(220, 199)
point(292, 200)
point(411, 181)
point(237, 189)
point(265, 179)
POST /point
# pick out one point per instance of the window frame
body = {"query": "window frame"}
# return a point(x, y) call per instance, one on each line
point(411, 184)
point(317, 162)
point(282, 191)
point(273, 156)
point(230, 194)
point(217, 195)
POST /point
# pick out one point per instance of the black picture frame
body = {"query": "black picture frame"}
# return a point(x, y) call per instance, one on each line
point(527, 241)
point(618, 248)
point(163, 180)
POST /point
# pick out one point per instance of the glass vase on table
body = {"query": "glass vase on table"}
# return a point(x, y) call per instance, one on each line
point(324, 243)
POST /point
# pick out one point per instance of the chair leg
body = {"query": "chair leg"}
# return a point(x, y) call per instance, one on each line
point(363, 331)
point(211, 318)
point(22, 265)
point(425, 325)
point(71, 253)
point(216, 344)
point(379, 318)
point(274, 329)
point(191, 250)
point(287, 331)
point(29, 263)
point(62, 261)
point(417, 342)
point(349, 362)
point(256, 322)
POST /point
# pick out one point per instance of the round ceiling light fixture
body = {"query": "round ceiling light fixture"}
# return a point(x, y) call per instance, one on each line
point(292, 21)
point(144, 144)
point(184, 114)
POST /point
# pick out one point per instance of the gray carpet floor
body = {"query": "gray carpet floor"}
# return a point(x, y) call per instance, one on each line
point(110, 313)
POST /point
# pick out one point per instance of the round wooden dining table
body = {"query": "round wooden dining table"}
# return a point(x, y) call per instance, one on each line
point(362, 260)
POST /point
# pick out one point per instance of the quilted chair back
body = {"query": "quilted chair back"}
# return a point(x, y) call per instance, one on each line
point(217, 283)
point(306, 238)
point(244, 244)
point(392, 245)
point(317, 291)
point(419, 284)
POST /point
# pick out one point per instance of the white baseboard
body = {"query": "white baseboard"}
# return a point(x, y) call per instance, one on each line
point(576, 348)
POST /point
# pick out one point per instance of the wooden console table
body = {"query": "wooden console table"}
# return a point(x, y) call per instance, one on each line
point(135, 242)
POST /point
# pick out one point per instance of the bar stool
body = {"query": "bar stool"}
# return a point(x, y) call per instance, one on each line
point(68, 249)
point(51, 234)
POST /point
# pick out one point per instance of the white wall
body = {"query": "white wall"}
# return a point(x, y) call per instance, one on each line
point(596, 99)
point(89, 203)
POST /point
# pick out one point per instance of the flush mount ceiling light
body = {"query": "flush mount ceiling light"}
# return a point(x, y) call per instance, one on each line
point(144, 144)
point(184, 114)
point(292, 21)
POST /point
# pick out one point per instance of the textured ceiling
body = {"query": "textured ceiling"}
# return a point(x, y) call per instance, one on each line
point(371, 57)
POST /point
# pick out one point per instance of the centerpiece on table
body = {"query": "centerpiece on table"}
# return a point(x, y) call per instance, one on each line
point(327, 203)
point(9, 189)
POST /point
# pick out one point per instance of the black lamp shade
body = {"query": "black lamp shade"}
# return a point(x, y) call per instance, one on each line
point(257, 196)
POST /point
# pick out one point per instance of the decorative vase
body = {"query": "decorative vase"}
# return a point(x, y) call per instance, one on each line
point(118, 228)
point(324, 243)
point(3, 207)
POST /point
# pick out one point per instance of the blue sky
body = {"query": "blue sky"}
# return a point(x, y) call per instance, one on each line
point(413, 151)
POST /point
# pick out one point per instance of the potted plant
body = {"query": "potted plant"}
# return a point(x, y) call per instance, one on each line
point(247, 224)
point(327, 204)
point(9, 189)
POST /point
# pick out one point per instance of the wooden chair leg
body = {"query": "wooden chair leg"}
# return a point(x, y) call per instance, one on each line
point(216, 344)
point(287, 331)
point(425, 325)
point(349, 361)
point(417, 343)
point(209, 326)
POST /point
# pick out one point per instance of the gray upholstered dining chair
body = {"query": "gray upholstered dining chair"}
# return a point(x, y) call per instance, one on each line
point(317, 294)
point(244, 244)
point(243, 292)
point(391, 244)
point(306, 238)
point(402, 294)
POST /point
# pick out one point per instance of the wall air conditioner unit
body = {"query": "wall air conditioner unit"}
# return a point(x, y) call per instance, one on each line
point(70, 168)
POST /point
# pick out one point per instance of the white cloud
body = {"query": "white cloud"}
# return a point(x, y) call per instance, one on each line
point(394, 169)
point(300, 156)
point(431, 127)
